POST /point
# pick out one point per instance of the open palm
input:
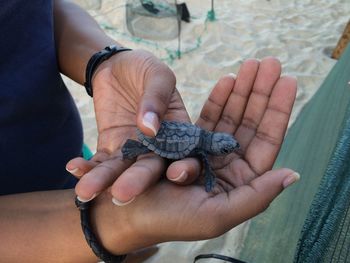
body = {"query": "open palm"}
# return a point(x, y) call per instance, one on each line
point(256, 112)
point(255, 107)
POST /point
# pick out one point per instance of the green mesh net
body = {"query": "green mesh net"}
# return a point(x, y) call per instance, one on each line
point(155, 24)
point(156, 20)
point(159, 20)
point(325, 236)
point(318, 147)
point(326, 233)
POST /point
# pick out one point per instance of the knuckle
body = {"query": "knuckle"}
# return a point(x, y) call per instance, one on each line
point(228, 120)
point(249, 123)
point(263, 199)
point(267, 138)
point(205, 116)
point(145, 169)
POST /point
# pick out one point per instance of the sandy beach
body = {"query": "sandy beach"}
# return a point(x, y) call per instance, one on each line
point(301, 34)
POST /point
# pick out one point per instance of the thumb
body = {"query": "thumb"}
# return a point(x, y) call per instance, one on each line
point(254, 198)
point(159, 87)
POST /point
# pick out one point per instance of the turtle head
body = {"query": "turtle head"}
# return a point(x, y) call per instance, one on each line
point(222, 143)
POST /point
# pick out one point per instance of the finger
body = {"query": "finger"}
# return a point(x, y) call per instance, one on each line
point(270, 133)
point(159, 86)
point(79, 166)
point(185, 171)
point(237, 102)
point(100, 177)
point(214, 106)
point(176, 109)
point(252, 199)
point(135, 180)
point(266, 78)
point(100, 156)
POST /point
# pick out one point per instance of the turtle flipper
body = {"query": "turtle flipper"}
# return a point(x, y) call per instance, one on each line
point(132, 148)
point(208, 173)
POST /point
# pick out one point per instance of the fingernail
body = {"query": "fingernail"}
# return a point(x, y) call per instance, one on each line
point(292, 178)
point(233, 75)
point(150, 120)
point(181, 178)
point(75, 171)
point(120, 203)
point(86, 200)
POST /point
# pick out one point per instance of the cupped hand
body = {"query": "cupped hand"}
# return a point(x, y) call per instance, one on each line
point(255, 107)
point(131, 89)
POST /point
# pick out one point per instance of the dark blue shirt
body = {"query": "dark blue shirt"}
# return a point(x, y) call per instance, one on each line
point(40, 128)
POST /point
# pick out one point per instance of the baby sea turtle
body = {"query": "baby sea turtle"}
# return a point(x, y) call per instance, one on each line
point(177, 140)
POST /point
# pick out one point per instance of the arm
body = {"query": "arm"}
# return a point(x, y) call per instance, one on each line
point(41, 226)
point(45, 227)
point(130, 89)
point(78, 37)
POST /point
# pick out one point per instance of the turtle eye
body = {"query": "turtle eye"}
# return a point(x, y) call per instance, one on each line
point(225, 150)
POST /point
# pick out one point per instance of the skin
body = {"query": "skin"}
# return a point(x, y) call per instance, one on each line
point(77, 38)
point(120, 98)
point(130, 89)
point(255, 108)
point(252, 100)
point(45, 226)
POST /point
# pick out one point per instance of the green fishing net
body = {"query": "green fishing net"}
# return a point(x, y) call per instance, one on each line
point(155, 24)
point(325, 235)
point(156, 20)
point(314, 213)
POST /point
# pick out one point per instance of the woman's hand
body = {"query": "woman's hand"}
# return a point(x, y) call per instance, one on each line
point(255, 108)
point(131, 89)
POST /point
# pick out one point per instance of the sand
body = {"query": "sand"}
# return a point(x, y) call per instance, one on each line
point(300, 33)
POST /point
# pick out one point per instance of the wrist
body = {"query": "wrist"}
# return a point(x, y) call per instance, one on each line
point(110, 223)
point(96, 60)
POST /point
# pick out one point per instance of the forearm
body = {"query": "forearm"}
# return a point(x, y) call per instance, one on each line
point(45, 227)
point(42, 227)
point(77, 37)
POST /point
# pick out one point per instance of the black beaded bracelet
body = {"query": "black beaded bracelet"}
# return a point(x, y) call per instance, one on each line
point(91, 239)
point(96, 60)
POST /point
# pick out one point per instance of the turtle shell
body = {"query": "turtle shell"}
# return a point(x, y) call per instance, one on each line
point(174, 140)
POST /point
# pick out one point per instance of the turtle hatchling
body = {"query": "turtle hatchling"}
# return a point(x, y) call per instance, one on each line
point(177, 140)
